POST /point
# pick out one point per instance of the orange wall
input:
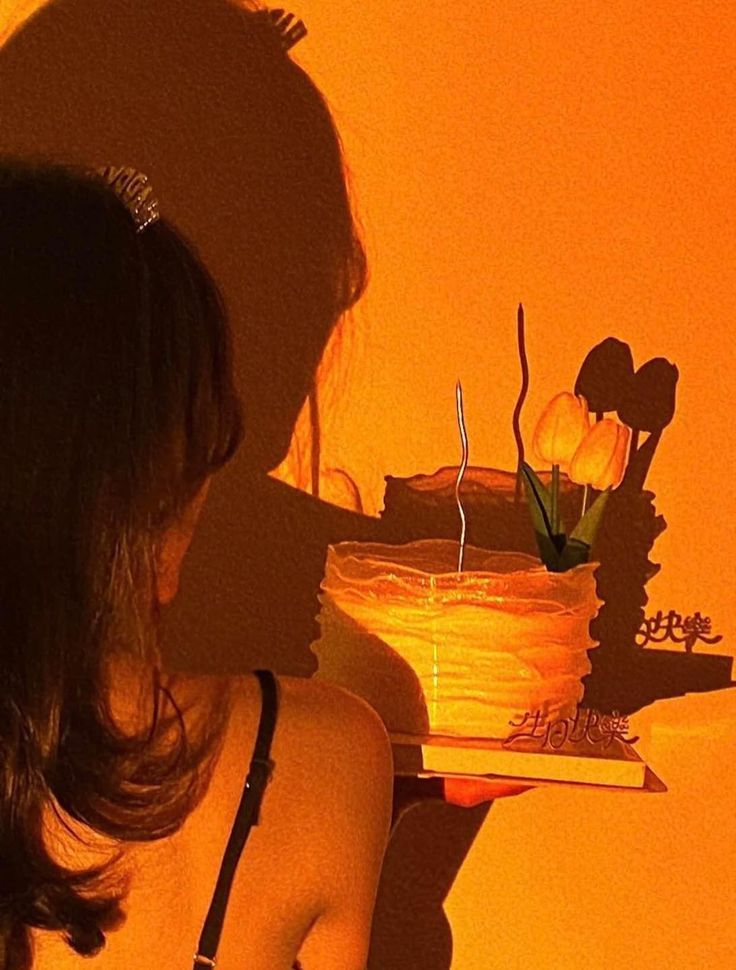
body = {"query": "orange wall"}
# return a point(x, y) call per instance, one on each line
point(579, 157)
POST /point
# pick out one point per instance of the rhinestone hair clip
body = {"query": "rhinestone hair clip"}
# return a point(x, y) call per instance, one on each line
point(133, 186)
point(289, 35)
point(135, 190)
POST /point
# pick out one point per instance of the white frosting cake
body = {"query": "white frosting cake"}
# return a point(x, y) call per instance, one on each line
point(441, 652)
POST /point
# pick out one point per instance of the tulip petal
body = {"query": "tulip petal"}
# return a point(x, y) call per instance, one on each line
point(600, 459)
point(561, 427)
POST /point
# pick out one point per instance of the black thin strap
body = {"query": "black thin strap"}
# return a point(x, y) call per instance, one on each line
point(259, 774)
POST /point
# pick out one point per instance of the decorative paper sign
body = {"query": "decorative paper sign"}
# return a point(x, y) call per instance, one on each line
point(658, 628)
point(587, 725)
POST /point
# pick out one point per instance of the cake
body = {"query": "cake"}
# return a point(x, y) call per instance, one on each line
point(497, 513)
point(437, 651)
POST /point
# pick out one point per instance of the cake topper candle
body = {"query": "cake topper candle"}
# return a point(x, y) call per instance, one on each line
point(461, 470)
point(521, 344)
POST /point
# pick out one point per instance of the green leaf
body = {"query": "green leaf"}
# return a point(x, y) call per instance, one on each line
point(543, 501)
point(538, 497)
point(574, 554)
point(560, 541)
point(548, 552)
point(587, 527)
point(539, 506)
point(545, 498)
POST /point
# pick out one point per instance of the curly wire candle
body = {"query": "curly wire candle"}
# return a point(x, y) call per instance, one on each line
point(461, 471)
point(438, 651)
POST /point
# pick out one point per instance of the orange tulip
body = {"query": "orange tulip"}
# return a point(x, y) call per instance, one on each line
point(562, 426)
point(600, 459)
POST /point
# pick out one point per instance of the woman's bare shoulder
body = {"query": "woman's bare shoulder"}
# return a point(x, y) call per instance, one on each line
point(313, 714)
point(333, 773)
point(328, 743)
point(329, 709)
point(352, 782)
point(322, 727)
point(325, 816)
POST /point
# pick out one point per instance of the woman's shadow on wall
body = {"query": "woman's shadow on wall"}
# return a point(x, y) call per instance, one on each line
point(241, 151)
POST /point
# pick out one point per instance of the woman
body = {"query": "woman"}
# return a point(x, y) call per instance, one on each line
point(242, 148)
point(120, 785)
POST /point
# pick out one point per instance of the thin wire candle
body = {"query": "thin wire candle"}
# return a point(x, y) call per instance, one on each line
point(521, 343)
point(461, 470)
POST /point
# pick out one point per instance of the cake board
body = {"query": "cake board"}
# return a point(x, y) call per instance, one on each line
point(617, 767)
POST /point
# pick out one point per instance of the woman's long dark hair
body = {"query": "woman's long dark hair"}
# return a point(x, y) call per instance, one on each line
point(116, 402)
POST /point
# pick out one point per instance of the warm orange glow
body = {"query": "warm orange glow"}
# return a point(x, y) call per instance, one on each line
point(600, 459)
point(578, 158)
point(562, 426)
point(585, 167)
point(432, 649)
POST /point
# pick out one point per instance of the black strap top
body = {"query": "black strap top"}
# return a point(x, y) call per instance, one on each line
point(259, 773)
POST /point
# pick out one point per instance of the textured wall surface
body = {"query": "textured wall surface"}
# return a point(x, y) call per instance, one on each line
point(578, 157)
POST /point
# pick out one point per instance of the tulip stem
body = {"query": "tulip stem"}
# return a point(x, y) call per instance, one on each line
point(634, 447)
point(585, 501)
point(555, 499)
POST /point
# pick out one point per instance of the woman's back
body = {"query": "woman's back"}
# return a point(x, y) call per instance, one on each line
point(119, 404)
point(307, 877)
